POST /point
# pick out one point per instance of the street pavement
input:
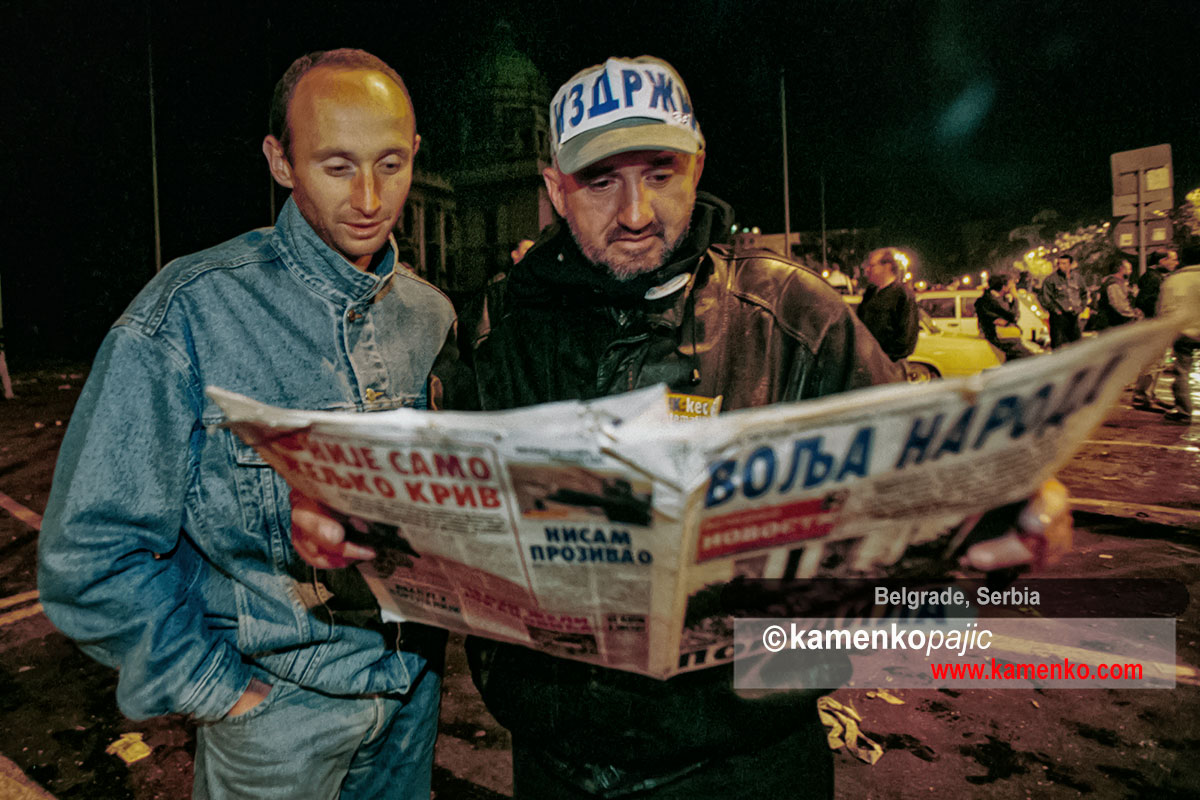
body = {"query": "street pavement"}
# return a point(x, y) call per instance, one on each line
point(1136, 485)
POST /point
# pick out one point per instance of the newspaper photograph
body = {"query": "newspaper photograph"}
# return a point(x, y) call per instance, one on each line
point(604, 531)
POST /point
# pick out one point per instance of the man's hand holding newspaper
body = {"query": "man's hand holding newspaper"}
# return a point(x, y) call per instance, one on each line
point(320, 535)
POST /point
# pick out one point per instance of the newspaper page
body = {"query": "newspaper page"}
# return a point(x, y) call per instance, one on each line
point(601, 531)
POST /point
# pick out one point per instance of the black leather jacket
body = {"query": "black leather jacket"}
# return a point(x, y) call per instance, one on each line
point(753, 329)
point(1149, 287)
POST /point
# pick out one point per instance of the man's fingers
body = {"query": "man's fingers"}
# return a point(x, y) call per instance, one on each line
point(356, 552)
point(1043, 534)
point(1053, 505)
point(334, 556)
point(319, 535)
point(1047, 519)
point(317, 526)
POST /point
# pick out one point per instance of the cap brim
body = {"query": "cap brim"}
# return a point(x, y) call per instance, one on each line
point(588, 148)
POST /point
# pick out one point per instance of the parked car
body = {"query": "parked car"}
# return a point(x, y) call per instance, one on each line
point(941, 354)
point(953, 311)
point(945, 354)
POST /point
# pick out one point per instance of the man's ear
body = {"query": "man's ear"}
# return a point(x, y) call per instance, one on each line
point(277, 162)
point(699, 168)
point(554, 187)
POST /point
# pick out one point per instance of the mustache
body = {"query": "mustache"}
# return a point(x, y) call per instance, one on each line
point(618, 233)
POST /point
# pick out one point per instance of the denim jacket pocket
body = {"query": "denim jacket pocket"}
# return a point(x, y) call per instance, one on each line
point(263, 499)
point(271, 615)
point(249, 470)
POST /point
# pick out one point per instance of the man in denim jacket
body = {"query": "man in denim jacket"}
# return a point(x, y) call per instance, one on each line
point(166, 546)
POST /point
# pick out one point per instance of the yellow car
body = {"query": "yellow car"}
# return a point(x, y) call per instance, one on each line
point(944, 354)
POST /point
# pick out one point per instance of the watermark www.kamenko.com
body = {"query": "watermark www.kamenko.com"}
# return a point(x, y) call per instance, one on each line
point(954, 653)
point(1000, 670)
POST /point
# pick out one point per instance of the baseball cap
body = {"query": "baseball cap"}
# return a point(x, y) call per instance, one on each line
point(621, 105)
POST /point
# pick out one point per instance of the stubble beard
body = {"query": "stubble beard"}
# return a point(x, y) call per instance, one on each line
point(625, 269)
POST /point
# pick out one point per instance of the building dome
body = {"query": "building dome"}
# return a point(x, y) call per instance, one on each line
point(506, 73)
point(504, 107)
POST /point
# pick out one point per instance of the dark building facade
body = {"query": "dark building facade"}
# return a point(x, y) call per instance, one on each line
point(487, 193)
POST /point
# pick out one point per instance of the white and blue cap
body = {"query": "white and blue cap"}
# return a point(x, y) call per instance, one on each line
point(621, 105)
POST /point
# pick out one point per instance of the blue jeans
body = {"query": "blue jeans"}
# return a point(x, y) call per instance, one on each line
point(298, 743)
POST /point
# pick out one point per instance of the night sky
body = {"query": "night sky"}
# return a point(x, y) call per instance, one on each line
point(922, 116)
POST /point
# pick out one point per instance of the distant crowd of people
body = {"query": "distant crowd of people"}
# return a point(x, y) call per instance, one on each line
point(889, 311)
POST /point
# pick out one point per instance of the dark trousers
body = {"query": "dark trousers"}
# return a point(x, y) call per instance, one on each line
point(799, 767)
point(1064, 329)
point(1012, 348)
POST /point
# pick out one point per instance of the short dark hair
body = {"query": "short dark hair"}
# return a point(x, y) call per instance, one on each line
point(1118, 263)
point(997, 282)
point(342, 58)
point(1067, 256)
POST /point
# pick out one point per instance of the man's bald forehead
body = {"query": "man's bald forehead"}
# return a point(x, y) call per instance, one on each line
point(347, 59)
point(366, 87)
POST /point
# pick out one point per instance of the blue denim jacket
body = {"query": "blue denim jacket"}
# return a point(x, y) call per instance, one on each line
point(165, 549)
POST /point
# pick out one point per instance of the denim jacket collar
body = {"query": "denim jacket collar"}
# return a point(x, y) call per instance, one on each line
point(324, 271)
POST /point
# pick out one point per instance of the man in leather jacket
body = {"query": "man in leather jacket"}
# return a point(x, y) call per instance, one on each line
point(888, 307)
point(633, 288)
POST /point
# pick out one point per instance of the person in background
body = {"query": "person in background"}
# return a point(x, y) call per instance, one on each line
point(1064, 297)
point(888, 308)
point(1114, 306)
point(998, 303)
point(165, 548)
point(1180, 291)
point(1161, 264)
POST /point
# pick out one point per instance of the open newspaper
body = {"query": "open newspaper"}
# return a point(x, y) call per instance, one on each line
point(598, 530)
